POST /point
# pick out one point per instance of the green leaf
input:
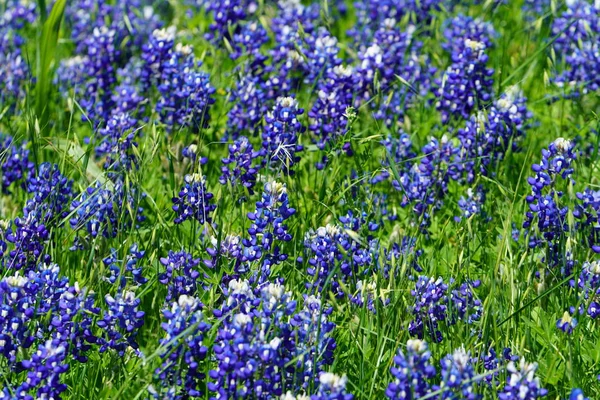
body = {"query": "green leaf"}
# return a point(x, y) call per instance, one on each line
point(45, 55)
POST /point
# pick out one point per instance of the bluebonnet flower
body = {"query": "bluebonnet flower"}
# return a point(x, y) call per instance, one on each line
point(588, 285)
point(126, 99)
point(185, 92)
point(119, 269)
point(487, 136)
point(458, 376)
point(117, 143)
point(492, 362)
point(577, 394)
point(227, 15)
point(463, 304)
point(99, 65)
point(522, 383)
point(577, 31)
point(567, 323)
point(183, 350)
point(587, 212)
point(321, 54)
point(28, 235)
point(27, 300)
point(103, 211)
point(431, 307)
point(155, 53)
point(281, 135)
point(394, 56)
point(120, 322)
point(546, 209)
point(182, 275)
point(52, 193)
point(239, 167)
point(16, 165)
point(424, 184)
point(412, 372)
point(326, 250)
point(13, 66)
point(264, 347)
point(370, 15)
point(332, 387)
point(464, 27)
point(466, 84)
point(472, 204)
point(268, 229)
point(249, 106)
point(194, 201)
point(45, 367)
point(328, 115)
point(132, 21)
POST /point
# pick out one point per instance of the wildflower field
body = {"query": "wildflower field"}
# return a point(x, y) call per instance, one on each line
point(260, 199)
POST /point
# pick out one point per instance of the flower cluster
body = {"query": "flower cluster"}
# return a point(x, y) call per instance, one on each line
point(280, 136)
point(100, 210)
point(239, 168)
point(577, 31)
point(181, 275)
point(120, 322)
point(194, 201)
point(433, 305)
point(522, 383)
point(265, 347)
point(15, 163)
point(183, 350)
point(120, 269)
point(546, 211)
point(411, 372)
point(467, 83)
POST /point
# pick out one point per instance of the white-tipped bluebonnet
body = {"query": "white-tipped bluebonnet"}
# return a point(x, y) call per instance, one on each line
point(239, 168)
point(566, 323)
point(182, 275)
point(332, 387)
point(458, 376)
point(105, 211)
point(100, 63)
point(577, 394)
point(547, 216)
point(155, 53)
point(117, 140)
point(394, 56)
point(464, 27)
point(45, 367)
point(281, 135)
point(194, 201)
point(185, 91)
point(120, 322)
point(576, 46)
point(16, 165)
point(328, 115)
point(471, 204)
point(521, 383)
point(268, 229)
point(120, 272)
point(466, 84)
point(412, 372)
point(264, 348)
point(181, 374)
point(489, 135)
point(434, 306)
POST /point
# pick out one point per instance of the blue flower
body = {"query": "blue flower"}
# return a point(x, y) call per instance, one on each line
point(194, 201)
